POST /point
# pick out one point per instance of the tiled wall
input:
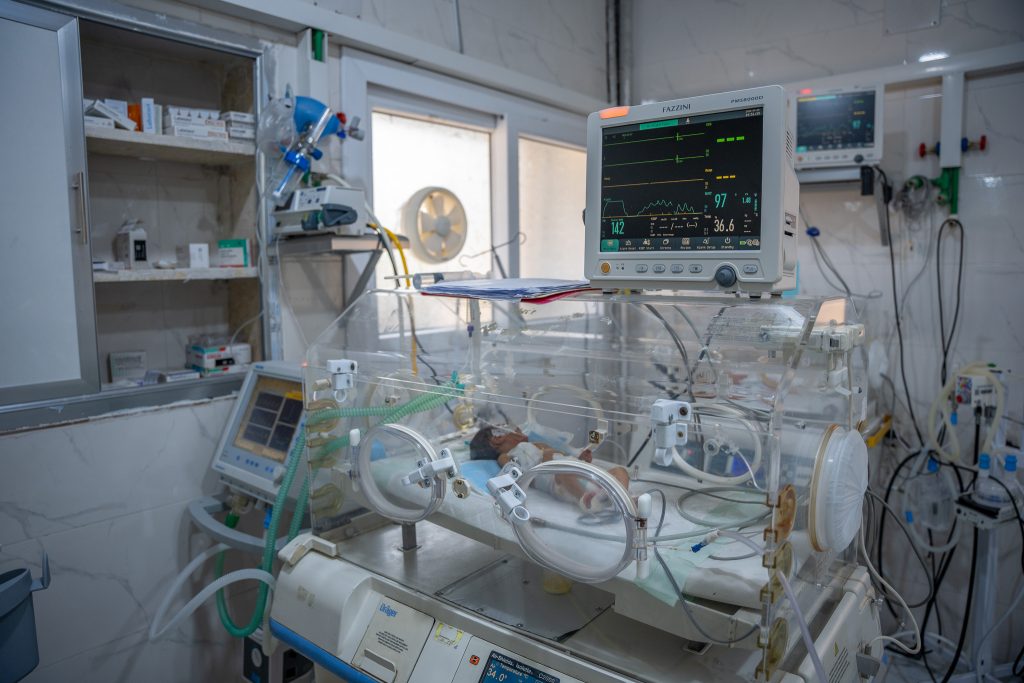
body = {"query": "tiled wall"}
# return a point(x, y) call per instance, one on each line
point(685, 47)
point(690, 48)
point(558, 41)
point(106, 499)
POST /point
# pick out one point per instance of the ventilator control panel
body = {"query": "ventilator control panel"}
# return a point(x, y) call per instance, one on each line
point(261, 430)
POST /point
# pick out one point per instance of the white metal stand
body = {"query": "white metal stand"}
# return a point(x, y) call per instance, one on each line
point(983, 607)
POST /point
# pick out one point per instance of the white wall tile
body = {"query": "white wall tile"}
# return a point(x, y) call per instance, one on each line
point(62, 478)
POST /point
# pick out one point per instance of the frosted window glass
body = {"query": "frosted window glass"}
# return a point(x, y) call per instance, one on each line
point(411, 154)
point(552, 194)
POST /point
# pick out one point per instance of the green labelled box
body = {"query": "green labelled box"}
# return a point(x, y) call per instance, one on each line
point(659, 124)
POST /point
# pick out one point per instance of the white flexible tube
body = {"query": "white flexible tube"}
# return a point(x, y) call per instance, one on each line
point(804, 631)
point(1010, 610)
point(819, 668)
point(941, 403)
point(157, 630)
point(899, 598)
point(721, 479)
point(938, 549)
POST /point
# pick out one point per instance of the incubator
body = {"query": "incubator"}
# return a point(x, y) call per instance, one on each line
point(605, 487)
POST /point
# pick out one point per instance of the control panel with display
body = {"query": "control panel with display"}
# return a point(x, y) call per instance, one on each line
point(262, 429)
point(697, 193)
point(838, 127)
point(683, 184)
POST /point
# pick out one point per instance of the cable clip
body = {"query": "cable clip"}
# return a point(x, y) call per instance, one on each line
point(427, 470)
point(343, 376)
point(670, 422)
point(509, 496)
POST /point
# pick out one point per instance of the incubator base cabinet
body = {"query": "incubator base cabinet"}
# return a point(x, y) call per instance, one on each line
point(599, 488)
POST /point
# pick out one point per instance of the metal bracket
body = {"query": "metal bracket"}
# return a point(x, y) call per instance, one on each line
point(509, 496)
point(301, 545)
point(343, 373)
point(427, 470)
point(670, 422)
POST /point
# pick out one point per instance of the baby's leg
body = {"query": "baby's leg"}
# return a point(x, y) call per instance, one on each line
point(621, 476)
point(571, 484)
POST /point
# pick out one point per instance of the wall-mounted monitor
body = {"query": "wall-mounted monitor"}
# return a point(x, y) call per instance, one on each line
point(838, 127)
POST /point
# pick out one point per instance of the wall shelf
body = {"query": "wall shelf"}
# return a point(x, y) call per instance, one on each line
point(173, 274)
point(128, 143)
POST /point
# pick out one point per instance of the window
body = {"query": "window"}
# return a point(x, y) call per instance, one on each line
point(428, 129)
point(410, 155)
point(552, 194)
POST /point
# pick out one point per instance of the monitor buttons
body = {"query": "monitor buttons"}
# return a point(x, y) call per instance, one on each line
point(750, 268)
point(641, 267)
point(677, 267)
point(696, 268)
point(659, 268)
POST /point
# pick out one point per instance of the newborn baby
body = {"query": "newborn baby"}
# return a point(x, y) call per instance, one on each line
point(505, 444)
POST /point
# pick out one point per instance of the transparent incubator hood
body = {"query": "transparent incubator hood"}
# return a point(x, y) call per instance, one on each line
point(608, 439)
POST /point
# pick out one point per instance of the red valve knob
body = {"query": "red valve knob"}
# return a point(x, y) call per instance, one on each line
point(983, 142)
point(922, 150)
point(342, 118)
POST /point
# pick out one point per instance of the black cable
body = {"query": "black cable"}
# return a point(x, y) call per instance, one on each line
point(906, 532)
point(899, 329)
point(1017, 662)
point(679, 345)
point(881, 522)
point(974, 568)
point(947, 342)
point(640, 450)
point(967, 611)
point(944, 566)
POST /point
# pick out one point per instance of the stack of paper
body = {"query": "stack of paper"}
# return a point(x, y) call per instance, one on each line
point(506, 289)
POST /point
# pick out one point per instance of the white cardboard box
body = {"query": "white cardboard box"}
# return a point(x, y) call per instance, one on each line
point(130, 247)
point(127, 365)
point(216, 124)
point(241, 132)
point(150, 123)
point(194, 255)
point(238, 117)
point(98, 122)
point(196, 131)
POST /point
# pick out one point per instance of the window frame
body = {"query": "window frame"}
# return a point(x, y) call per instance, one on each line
point(370, 82)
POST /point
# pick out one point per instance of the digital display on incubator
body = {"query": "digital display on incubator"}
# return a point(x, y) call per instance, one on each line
point(835, 121)
point(503, 669)
point(687, 183)
point(271, 418)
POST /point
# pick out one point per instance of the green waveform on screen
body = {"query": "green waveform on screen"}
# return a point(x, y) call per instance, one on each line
point(616, 208)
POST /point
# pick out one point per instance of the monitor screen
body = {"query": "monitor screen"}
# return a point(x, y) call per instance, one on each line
point(839, 121)
point(503, 669)
point(689, 183)
point(270, 418)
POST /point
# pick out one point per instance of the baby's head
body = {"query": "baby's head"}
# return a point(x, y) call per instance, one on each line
point(492, 442)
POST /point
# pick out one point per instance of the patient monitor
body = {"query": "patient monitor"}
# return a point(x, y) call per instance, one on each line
point(695, 193)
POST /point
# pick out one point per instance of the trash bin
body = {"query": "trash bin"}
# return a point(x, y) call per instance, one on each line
point(19, 651)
